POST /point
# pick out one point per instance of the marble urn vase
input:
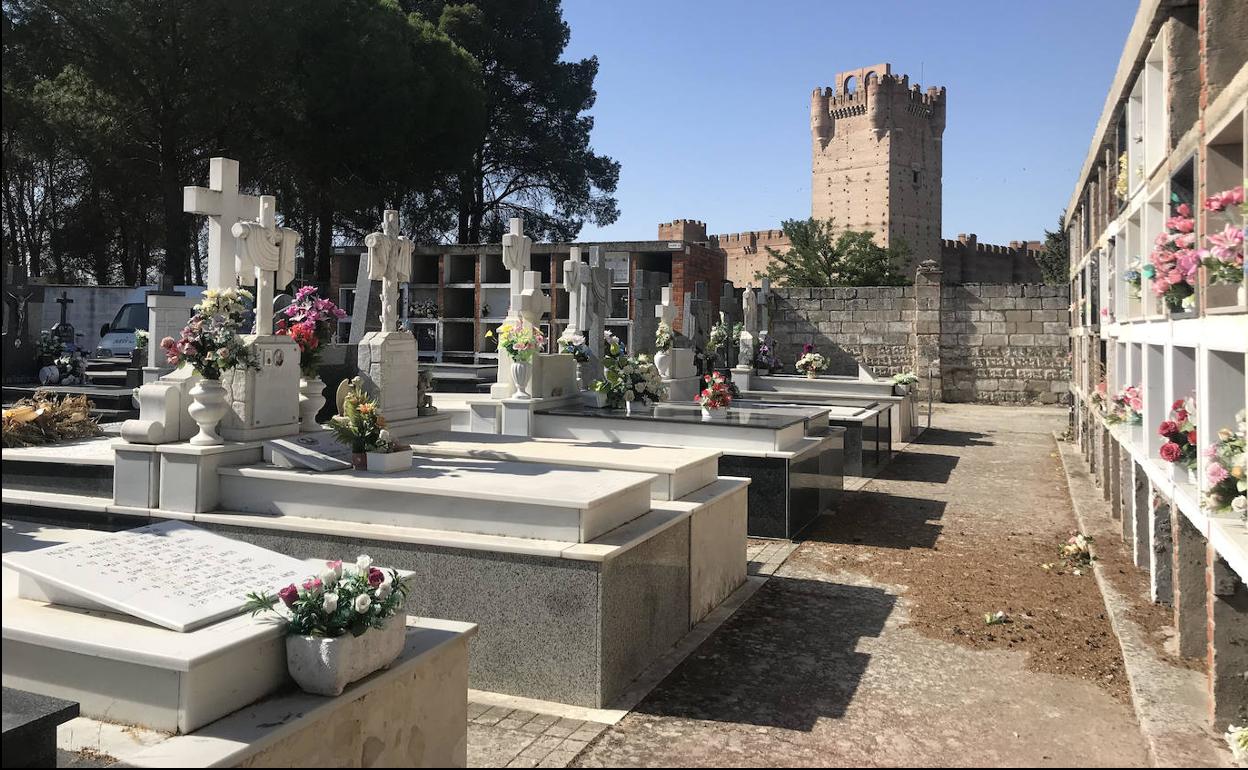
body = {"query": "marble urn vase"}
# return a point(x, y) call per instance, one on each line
point(325, 666)
point(207, 408)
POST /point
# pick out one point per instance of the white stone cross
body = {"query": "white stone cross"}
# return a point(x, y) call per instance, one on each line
point(389, 261)
point(666, 311)
point(764, 293)
point(575, 279)
point(266, 257)
point(516, 249)
point(221, 202)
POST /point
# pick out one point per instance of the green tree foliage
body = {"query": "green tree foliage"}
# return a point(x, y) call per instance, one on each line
point(1054, 260)
point(819, 255)
point(339, 107)
point(532, 156)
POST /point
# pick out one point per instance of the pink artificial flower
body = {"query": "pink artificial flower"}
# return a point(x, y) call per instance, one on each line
point(1216, 473)
point(1228, 245)
point(336, 566)
point(313, 584)
point(1171, 452)
point(1167, 427)
point(1225, 199)
point(1184, 210)
point(1137, 404)
point(289, 595)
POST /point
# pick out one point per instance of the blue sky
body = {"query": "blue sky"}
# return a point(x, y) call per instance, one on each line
point(707, 104)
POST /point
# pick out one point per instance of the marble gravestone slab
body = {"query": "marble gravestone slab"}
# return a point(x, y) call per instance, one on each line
point(172, 574)
point(315, 450)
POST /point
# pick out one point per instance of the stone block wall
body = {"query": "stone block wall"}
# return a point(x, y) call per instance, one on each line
point(997, 343)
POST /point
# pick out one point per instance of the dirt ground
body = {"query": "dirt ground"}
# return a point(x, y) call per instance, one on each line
point(869, 646)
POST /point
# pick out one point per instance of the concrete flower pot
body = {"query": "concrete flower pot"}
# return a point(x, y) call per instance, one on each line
point(389, 462)
point(324, 666)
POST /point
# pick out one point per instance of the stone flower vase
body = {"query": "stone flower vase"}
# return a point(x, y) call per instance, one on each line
point(663, 362)
point(720, 413)
point(311, 399)
point(630, 406)
point(325, 666)
point(208, 407)
point(389, 462)
point(812, 374)
point(520, 376)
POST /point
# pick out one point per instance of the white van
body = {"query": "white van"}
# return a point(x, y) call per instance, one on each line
point(117, 337)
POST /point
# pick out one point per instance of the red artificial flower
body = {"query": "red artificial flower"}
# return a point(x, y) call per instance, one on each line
point(1180, 416)
point(375, 577)
point(1170, 452)
point(1168, 427)
point(312, 585)
point(1191, 437)
point(1177, 405)
point(289, 595)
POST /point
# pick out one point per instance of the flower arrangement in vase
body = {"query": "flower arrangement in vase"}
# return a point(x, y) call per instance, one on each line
point(631, 380)
point(1226, 471)
point(1100, 397)
point(362, 427)
point(211, 344)
point(664, 338)
point(573, 343)
point(1120, 184)
point(766, 356)
point(612, 347)
point(715, 397)
point(1179, 430)
point(310, 322)
point(811, 362)
point(1223, 256)
point(341, 625)
point(1175, 261)
point(1133, 276)
point(520, 340)
point(429, 309)
point(1126, 407)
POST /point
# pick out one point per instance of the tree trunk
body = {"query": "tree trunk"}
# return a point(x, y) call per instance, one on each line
point(324, 241)
point(171, 182)
point(465, 207)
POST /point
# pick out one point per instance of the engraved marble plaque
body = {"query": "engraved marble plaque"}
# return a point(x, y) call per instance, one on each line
point(173, 574)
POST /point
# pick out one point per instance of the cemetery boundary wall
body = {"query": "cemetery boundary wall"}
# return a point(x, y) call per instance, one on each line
point(995, 343)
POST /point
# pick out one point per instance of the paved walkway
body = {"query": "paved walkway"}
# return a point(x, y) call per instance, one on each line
point(868, 647)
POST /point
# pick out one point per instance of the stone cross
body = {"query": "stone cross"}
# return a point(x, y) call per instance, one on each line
point(64, 330)
point(749, 309)
point(526, 292)
point(575, 279)
point(595, 303)
point(389, 261)
point(221, 202)
point(764, 317)
point(665, 310)
point(265, 257)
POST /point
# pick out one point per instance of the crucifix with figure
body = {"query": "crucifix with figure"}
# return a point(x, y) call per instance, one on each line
point(64, 331)
point(389, 261)
point(224, 206)
point(265, 257)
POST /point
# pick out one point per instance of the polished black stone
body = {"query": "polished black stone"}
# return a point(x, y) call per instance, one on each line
point(30, 722)
point(786, 495)
point(680, 413)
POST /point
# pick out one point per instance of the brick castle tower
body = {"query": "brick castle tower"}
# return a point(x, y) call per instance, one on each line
point(876, 158)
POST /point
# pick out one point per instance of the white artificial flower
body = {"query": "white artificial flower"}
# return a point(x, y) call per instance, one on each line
point(329, 577)
point(330, 603)
point(363, 563)
point(383, 591)
point(362, 603)
point(628, 395)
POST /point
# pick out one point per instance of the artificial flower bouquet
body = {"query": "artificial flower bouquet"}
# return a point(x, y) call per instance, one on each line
point(1179, 430)
point(612, 348)
point(309, 321)
point(341, 625)
point(1126, 407)
point(1100, 397)
point(905, 378)
point(664, 337)
point(361, 425)
point(573, 343)
point(629, 380)
point(1226, 471)
point(716, 392)
point(811, 362)
point(1134, 277)
point(520, 339)
point(211, 342)
point(716, 340)
point(429, 309)
point(1175, 261)
point(341, 600)
point(1223, 258)
point(766, 356)
point(141, 338)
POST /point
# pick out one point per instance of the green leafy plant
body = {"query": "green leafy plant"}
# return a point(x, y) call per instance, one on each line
point(820, 255)
point(361, 425)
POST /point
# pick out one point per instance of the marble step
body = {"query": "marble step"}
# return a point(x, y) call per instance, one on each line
point(73, 468)
point(678, 471)
point(527, 500)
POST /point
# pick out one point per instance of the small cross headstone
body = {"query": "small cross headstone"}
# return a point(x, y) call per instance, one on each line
point(665, 311)
point(63, 330)
point(266, 257)
point(389, 261)
point(221, 202)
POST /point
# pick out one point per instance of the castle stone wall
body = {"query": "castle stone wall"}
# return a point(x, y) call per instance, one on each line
point(997, 344)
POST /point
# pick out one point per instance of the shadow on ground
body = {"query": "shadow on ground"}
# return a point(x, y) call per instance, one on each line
point(881, 520)
point(924, 466)
point(953, 438)
point(786, 659)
